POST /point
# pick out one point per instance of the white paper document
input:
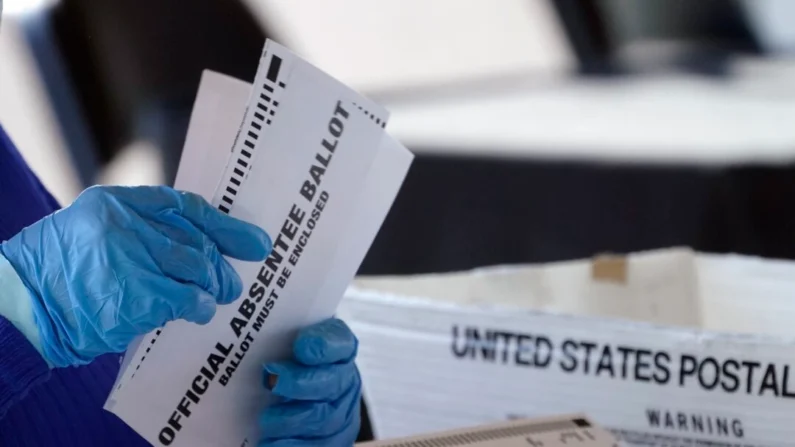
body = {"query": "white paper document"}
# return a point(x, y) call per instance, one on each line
point(571, 430)
point(312, 165)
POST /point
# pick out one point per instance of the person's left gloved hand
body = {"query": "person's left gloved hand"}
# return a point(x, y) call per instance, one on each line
point(120, 262)
point(317, 393)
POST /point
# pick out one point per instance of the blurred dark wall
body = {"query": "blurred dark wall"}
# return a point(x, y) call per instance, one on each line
point(136, 64)
point(461, 213)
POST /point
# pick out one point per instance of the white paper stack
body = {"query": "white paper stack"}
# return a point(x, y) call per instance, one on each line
point(570, 430)
point(312, 165)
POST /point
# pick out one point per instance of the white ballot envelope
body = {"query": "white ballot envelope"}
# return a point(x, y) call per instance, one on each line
point(312, 165)
point(571, 430)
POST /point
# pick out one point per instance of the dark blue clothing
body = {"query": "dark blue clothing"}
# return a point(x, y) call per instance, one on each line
point(39, 407)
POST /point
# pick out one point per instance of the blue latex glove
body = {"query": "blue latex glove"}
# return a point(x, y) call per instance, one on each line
point(120, 262)
point(317, 393)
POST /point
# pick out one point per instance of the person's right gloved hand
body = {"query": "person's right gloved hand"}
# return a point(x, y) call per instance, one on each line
point(317, 393)
point(121, 262)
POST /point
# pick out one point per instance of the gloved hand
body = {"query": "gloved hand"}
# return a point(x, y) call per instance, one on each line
point(120, 262)
point(317, 393)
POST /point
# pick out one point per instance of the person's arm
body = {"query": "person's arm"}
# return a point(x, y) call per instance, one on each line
point(21, 364)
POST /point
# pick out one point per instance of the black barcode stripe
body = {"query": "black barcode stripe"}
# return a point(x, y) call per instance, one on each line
point(224, 209)
point(371, 115)
point(273, 68)
point(143, 357)
point(262, 113)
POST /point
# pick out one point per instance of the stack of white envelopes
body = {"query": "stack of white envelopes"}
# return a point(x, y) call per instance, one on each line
point(311, 164)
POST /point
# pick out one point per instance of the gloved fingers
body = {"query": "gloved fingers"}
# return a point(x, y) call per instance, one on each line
point(200, 262)
point(308, 420)
point(182, 301)
point(344, 438)
point(210, 271)
point(178, 261)
point(230, 284)
point(234, 237)
point(326, 342)
point(150, 301)
point(318, 383)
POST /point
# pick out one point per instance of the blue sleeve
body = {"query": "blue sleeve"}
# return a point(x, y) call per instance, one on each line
point(21, 366)
point(21, 363)
point(23, 200)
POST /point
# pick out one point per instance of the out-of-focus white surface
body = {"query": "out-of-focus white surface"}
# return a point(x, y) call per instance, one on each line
point(27, 116)
point(139, 163)
point(396, 46)
point(391, 44)
point(670, 118)
point(14, 7)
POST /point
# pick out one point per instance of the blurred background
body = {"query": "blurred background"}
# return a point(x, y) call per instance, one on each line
point(544, 129)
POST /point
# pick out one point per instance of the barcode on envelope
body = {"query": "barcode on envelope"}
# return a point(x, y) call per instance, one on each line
point(264, 104)
point(265, 107)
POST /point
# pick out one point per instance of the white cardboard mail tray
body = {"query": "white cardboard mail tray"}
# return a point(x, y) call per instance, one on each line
point(664, 348)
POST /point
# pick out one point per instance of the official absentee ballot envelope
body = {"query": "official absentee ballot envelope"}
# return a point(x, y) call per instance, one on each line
point(312, 165)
